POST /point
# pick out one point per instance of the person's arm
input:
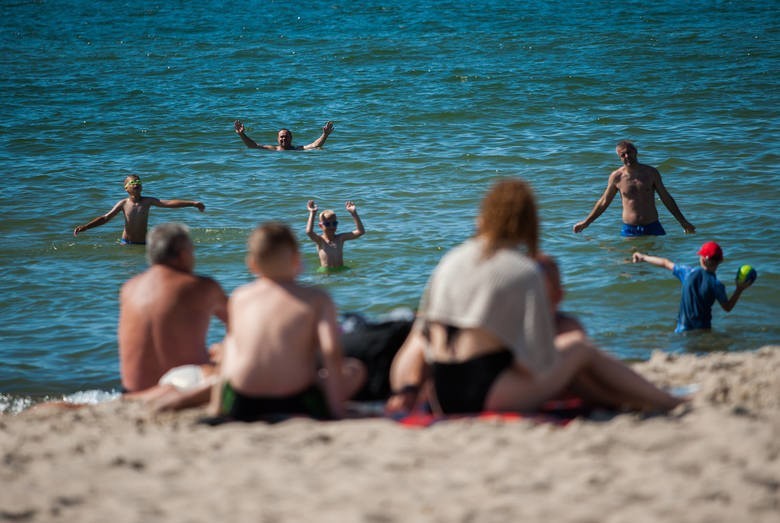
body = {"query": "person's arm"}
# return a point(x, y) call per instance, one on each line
point(247, 140)
point(671, 205)
point(176, 204)
point(566, 323)
point(239, 127)
point(735, 297)
point(408, 373)
point(220, 302)
point(359, 230)
point(601, 204)
point(653, 260)
point(312, 208)
point(329, 336)
point(100, 220)
point(326, 130)
point(183, 399)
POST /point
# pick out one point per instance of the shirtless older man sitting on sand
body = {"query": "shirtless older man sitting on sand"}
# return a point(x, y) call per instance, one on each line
point(165, 311)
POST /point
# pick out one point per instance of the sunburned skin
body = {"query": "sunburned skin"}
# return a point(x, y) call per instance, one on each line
point(164, 316)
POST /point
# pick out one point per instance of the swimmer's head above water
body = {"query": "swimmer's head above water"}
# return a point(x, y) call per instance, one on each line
point(133, 181)
point(328, 219)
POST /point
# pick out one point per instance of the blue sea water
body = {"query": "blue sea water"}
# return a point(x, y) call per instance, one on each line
point(432, 101)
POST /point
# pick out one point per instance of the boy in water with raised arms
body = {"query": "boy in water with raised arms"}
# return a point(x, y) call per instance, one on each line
point(700, 287)
point(330, 246)
point(136, 211)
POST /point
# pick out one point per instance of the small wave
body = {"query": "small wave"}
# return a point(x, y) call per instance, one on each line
point(10, 404)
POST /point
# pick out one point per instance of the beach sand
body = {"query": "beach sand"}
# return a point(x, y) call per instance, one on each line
point(718, 460)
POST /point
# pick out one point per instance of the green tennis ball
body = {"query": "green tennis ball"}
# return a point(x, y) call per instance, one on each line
point(746, 273)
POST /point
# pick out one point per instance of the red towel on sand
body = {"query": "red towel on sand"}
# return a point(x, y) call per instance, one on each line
point(559, 412)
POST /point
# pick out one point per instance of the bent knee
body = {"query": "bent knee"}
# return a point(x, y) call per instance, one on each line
point(575, 344)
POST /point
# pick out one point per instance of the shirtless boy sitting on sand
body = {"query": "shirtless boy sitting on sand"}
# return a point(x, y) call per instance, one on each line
point(330, 246)
point(136, 211)
point(278, 328)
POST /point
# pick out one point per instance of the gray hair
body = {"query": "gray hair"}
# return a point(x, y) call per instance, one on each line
point(165, 241)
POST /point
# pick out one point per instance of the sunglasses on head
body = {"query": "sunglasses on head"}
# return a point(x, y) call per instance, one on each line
point(334, 223)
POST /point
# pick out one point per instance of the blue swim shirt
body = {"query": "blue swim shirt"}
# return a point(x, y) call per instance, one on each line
point(700, 289)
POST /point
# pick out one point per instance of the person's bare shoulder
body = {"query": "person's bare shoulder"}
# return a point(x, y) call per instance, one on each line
point(652, 171)
point(617, 176)
point(618, 173)
point(207, 282)
point(148, 201)
point(314, 295)
point(121, 204)
point(128, 286)
point(239, 293)
point(567, 323)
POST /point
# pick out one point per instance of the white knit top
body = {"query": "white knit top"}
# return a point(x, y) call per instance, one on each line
point(503, 294)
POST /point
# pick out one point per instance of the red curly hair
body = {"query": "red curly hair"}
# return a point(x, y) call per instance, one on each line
point(508, 217)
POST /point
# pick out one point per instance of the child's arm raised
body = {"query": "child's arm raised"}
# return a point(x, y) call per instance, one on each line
point(312, 208)
point(653, 260)
point(359, 230)
point(100, 220)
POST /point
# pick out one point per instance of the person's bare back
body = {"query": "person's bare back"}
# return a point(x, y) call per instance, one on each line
point(278, 332)
point(164, 317)
point(278, 357)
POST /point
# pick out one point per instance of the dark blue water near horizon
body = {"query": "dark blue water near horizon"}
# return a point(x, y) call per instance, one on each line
point(432, 102)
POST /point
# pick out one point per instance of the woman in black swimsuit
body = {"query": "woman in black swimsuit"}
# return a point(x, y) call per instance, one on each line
point(484, 332)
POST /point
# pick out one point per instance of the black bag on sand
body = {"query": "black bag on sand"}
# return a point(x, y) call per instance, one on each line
point(375, 344)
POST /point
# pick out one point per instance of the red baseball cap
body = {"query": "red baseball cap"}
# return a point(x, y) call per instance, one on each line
point(711, 250)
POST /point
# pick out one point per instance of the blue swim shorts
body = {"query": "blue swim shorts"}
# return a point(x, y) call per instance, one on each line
point(651, 229)
point(122, 241)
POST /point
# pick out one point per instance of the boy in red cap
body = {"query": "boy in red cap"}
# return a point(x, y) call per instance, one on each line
point(700, 287)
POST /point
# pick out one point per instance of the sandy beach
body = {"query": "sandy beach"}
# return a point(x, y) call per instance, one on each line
point(717, 460)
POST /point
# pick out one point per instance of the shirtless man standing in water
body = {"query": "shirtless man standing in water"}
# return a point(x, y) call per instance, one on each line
point(637, 184)
point(164, 312)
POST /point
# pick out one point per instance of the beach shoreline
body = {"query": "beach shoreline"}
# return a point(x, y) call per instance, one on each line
point(716, 460)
